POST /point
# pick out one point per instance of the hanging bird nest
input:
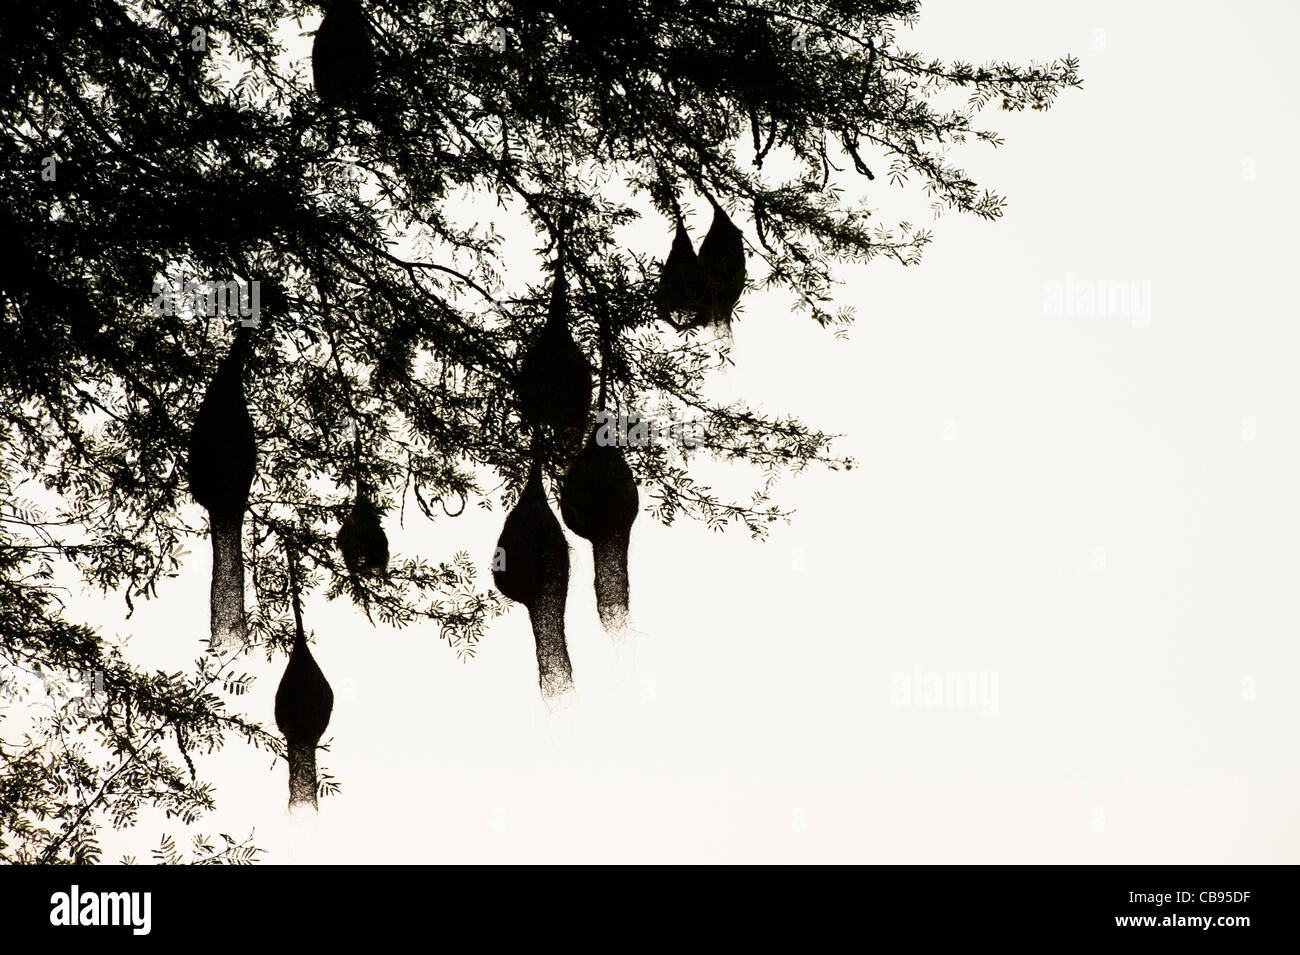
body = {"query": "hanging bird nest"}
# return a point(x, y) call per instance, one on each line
point(304, 702)
point(697, 290)
point(555, 379)
point(599, 502)
point(362, 540)
point(722, 270)
point(681, 284)
point(343, 54)
point(220, 466)
point(532, 568)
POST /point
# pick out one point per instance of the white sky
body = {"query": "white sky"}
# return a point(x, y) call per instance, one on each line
point(752, 717)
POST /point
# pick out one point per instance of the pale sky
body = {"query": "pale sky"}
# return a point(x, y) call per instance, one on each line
point(1092, 518)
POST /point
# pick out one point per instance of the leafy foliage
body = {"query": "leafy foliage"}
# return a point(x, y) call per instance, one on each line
point(184, 140)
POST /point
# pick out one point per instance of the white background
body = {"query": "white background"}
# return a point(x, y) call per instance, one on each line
point(1093, 525)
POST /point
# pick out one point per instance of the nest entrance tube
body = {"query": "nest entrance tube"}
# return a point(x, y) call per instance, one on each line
point(533, 570)
point(554, 668)
point(229, 628)
point(609, 554)
point(222, 459)
point(302, 776)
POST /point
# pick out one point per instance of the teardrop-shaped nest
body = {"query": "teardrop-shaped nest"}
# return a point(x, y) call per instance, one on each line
point(304, 699)
point(343, 54)
point(722, 269)
point(532, 568)
point(222, 456)
point(600, 502)
point(533, 556)
point(362, 540)
point(681, 283)
point(303, 704)
point(599, 497)
point(555, 380)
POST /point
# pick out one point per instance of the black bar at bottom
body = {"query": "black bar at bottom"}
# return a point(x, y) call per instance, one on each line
point(1232, 905)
